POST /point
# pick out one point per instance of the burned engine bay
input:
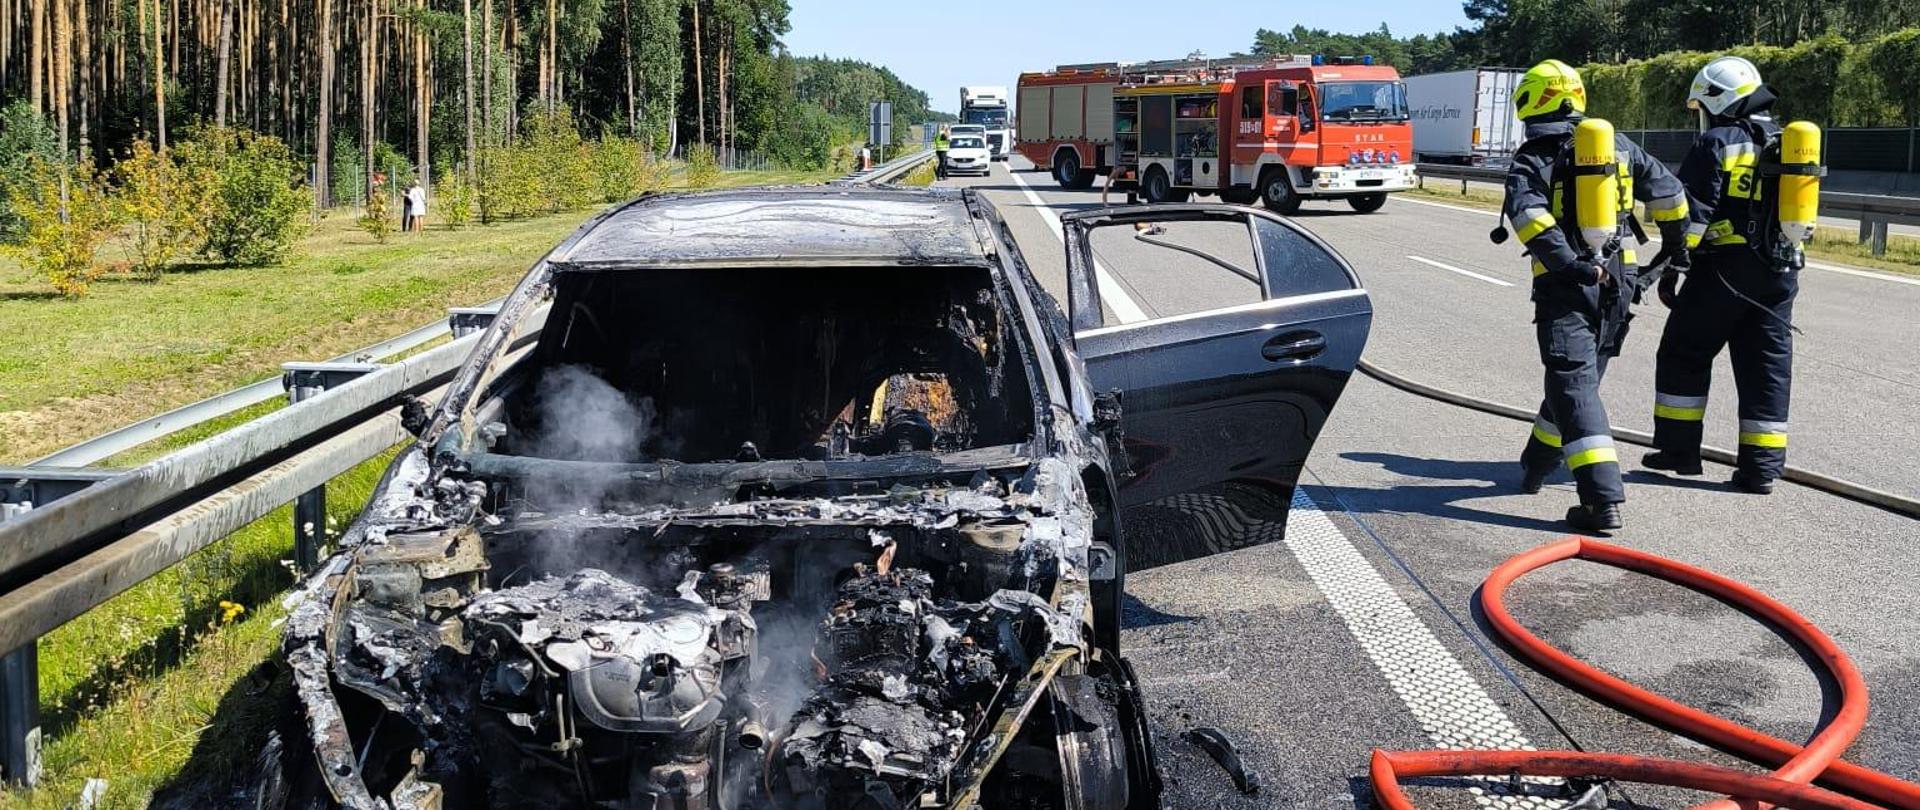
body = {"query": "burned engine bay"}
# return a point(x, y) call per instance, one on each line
point(809, 563)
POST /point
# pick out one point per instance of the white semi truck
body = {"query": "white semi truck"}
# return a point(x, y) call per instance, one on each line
point(987, 106)
point(1465, 116)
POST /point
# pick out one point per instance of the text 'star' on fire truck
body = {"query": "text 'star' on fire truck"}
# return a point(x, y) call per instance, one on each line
point(1280, 130)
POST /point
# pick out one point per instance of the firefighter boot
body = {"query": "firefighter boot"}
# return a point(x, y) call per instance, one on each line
point(1751, 482)
point(1594, 517)
point(1532, 478)
point(1671, 462)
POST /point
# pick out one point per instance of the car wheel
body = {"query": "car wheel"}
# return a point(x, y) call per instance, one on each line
point(1068, 171)
point(1276, 192)
point(1368, 203)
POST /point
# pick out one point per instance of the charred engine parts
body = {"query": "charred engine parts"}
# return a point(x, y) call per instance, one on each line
point(903, 678)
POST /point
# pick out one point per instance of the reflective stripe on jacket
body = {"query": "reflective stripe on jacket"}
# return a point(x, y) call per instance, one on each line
point(1539, 201)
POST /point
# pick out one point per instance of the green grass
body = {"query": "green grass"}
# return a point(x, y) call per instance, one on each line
point(70, 369)
point(921, 176)
point(1829, 244)
point(153, 689)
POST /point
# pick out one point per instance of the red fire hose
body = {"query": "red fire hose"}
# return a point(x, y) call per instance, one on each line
point(1795, 766)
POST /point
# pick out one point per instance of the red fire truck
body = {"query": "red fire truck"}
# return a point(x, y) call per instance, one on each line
point(1279, 131)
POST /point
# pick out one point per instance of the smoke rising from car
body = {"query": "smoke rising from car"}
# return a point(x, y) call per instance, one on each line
point(584, 418)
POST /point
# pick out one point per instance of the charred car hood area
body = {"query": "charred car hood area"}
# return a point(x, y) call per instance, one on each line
point(735, 531)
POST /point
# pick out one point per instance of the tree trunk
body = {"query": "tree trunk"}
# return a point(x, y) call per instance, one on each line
point(626, 61)
point(699, 78)
point(366, 98)
point(552, 66)
point(423, 102)
point(62, 66)
point(37, 61)
point(323, 129)
point(466, 80)
point(159, 76)
point(222, 64)
point(85, 47)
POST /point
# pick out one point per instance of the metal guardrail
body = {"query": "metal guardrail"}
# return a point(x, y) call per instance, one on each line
point(891, 170)
point(1874, 212)
point(114, 442)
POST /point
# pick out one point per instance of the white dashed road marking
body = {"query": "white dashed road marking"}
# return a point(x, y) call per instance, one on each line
point(1467, 273)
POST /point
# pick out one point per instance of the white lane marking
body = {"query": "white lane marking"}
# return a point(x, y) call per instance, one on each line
point(1449, 703)
point(1831, 268)
point(1116, 299)
point(1481, 211)
point(1467, 273)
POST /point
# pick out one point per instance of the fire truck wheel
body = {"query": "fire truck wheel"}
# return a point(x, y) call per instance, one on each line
point(1067, 170)
point(1157, 188)
point(1277, 194)
point(1368, 203)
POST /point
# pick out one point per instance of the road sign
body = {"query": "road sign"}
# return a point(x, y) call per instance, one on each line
point(880, 122)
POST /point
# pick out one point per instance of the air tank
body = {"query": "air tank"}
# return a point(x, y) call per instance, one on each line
point(1799, 192)
point(1596, 186)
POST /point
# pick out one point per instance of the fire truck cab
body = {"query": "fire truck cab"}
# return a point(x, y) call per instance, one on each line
point(1277, 132)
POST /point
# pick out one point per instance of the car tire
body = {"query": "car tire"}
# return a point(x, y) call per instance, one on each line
point(1368, 203)
point(1276, 192)
point(1156, 187)
point(1070, 173)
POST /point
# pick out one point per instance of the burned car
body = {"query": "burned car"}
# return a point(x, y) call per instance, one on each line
point(801, 498)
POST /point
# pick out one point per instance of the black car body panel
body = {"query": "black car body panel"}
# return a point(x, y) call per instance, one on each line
point(795, 497)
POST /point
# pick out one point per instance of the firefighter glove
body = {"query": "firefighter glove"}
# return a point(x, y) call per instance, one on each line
point(1669, 285)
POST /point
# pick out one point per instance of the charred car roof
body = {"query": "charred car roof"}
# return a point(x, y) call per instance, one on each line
point(806, 225)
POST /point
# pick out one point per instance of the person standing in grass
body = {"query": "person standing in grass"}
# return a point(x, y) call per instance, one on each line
point(416, 208)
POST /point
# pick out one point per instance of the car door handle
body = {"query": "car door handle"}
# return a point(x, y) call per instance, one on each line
point(1302, 345)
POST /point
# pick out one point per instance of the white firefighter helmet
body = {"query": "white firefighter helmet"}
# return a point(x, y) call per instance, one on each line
point(1720, 86)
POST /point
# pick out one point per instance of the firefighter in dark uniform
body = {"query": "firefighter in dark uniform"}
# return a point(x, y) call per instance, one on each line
point(1739, 290)
point(1581, 294)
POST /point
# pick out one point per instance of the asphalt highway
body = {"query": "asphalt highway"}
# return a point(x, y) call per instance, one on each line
point(1352, 627)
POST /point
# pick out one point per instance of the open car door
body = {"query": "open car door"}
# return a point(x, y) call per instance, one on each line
point(1228, 334)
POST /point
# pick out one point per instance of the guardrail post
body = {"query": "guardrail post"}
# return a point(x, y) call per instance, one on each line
point(304, 381)
point(20, 491)
point(1874, 233)
point(465, 321)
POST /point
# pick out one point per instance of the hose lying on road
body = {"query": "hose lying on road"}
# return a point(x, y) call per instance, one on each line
point(1825, 483)
point(1795, 766)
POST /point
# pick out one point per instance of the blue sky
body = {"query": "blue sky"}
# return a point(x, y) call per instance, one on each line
point(939, 45)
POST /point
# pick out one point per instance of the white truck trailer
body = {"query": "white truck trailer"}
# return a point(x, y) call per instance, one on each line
point(1465, 116)
point(987, 106)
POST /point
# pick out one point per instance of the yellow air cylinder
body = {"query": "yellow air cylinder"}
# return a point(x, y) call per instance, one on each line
point(1596, 186)
point(1799, 193)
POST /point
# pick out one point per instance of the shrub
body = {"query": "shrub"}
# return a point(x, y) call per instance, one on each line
point(167, 202)
point(65, 215)
point(260, 205)
point(454, 196)
point(510, 187)
point(377, 220)
point(563, 164)
point(619, 165)
point(24, 135)
point(703, 166)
